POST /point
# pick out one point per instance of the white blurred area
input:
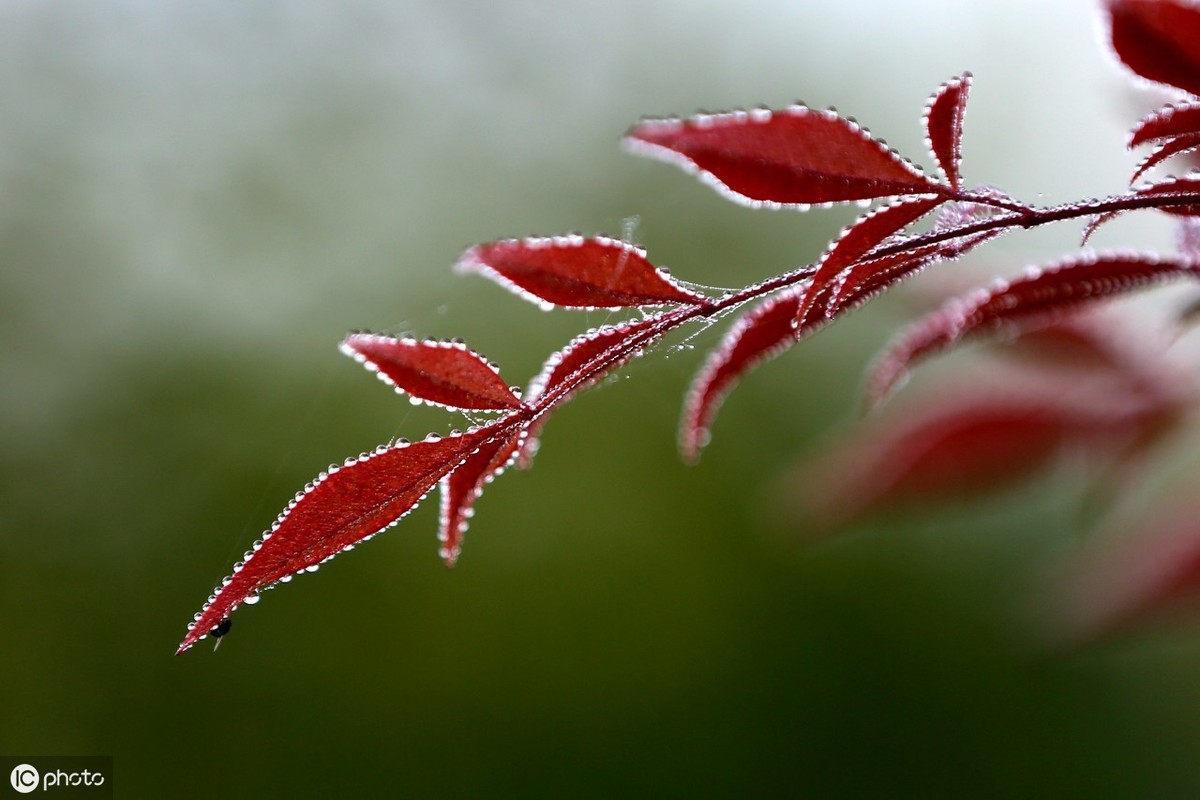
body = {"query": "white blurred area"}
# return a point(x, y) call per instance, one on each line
point(178, 176)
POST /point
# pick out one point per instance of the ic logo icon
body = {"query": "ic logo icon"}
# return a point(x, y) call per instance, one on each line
point(24, 778)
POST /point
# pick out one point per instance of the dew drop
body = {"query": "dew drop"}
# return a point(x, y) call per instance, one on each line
point(251, 599)
point(286, 579)
point(312, 568)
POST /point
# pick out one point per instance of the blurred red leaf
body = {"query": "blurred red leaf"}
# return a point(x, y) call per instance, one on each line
point(794, 157)
point(944, 125)
point(963, 443)
point(1123, 581)
point(1076, 342)
point(442, 373)
point(344, 506)
point(576, 272)
point(1157, 39)
point(1038, 298)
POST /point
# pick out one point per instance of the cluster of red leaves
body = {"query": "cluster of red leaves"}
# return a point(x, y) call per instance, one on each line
point(792, 158)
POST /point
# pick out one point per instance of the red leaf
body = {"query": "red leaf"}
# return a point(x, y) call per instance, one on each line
point(1078, 342)
point(1094, 223)
point(962, 444)
point(868, 278)
point(462, 487)
point(595, 354)
point(1171, 147)
point(1126, 580)
point(447, 374)
point(345, 505)
point(577, 272)
point(1174, 186)
point(1038, 298)
point(966, 450)
point(944, 125)
point(871, 277)
point(793, 158)
point(1181, 119)
point(602, 344)
point(859, 238)
point(1157, 40)
point(756, 337)
point(1112, 356)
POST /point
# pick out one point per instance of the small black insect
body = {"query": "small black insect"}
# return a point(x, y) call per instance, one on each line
point(219, 630)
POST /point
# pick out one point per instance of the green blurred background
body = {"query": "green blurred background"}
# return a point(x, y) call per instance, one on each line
point(198, 200)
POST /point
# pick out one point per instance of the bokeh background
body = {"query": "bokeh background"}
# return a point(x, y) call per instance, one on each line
point(198, 200)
